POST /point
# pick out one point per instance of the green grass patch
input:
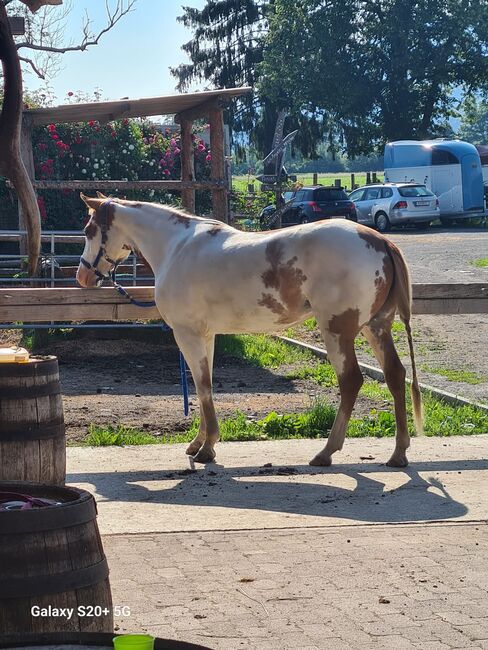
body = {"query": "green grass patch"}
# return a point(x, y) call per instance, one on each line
point(480, 263)
point(322, 373)
point(464, 376)
point(442, 419)
point(118, 436)
point(261, 350)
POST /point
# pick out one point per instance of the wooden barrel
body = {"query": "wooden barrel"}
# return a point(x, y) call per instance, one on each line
point(87, 641)
point(52, 557)
point(32, 439)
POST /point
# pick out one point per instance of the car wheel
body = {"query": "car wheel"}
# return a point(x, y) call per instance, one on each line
point(422, 225)
point(382, 222)
point(304, 219)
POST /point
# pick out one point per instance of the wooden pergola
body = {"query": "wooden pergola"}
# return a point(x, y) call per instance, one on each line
point(185, 107)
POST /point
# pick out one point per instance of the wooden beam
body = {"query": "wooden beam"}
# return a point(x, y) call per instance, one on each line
point(187, 165)
point(202, 110)
point(219, 196)
point(127, 185)
point(72, 304)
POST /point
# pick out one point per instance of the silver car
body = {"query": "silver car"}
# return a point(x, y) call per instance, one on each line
point(387, 204)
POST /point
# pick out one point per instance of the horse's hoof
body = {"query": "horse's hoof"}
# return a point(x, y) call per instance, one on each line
point(192, 449)
point(398, 461)
point(321, 461)
point(204, 456)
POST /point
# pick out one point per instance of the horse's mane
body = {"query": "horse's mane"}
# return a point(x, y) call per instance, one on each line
point(174, 211)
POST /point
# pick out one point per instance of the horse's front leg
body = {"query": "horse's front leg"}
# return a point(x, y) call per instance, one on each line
point(199, 439)
point(198, 352)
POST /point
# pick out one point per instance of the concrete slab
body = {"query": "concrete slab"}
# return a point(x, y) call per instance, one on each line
point(446, 481)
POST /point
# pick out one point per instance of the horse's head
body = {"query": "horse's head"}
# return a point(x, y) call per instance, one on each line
point(105, 247)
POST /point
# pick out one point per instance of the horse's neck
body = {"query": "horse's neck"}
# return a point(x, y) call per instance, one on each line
point(151, 232)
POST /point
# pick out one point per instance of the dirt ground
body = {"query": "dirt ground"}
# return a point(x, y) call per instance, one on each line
point(125, 381)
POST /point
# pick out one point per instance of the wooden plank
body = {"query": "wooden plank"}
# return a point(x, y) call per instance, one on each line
point(74, 304)
point(144, 107)
point(450, 290)
point(187, 165)
point(70, 296)
point(450, 306)
point(130, 185)
point(219, 196)
point(202, 110)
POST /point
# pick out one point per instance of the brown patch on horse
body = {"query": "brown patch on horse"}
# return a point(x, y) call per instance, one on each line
point(104, 214)
point(90, 230)
point(383, 284)
point(287, 280)
point(214, 230)
point(181, 218)
point(271, 303)
point(206, 380)
point(346, 326)
point(372, 238)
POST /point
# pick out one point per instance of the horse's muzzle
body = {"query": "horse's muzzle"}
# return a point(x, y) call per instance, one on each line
point(86, 278)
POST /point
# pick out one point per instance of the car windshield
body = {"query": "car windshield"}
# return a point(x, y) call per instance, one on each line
point(330, 195)
point(414, 190)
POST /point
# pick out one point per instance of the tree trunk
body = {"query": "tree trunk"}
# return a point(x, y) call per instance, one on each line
point(11, 164)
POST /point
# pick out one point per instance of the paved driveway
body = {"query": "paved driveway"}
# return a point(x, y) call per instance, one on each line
point(441, 255)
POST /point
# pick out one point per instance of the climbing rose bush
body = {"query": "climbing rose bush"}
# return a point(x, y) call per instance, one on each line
point(126, 149)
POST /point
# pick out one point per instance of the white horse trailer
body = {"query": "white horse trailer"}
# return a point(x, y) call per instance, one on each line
point(449, 168)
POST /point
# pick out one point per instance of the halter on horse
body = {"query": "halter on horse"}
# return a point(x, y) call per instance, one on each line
point(213, 279)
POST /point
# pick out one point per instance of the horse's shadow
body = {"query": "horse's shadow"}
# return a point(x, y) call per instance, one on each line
point(403, 496)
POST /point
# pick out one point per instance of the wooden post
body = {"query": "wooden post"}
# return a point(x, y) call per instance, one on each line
point(353, 182)
point(368, 178)
point(28, 159)
point(219, 196)
point(315, 179)
point(375, 178)
point(337, 182)
point(187, 165)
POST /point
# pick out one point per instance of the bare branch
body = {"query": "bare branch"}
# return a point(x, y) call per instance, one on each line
point(38, 72)
point(113, 17)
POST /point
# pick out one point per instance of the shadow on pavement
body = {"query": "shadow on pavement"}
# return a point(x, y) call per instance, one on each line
point(343, 491)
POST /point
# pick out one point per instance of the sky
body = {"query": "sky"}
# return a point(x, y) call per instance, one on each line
point(132, 60)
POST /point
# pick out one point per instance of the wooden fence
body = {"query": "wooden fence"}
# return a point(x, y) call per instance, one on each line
point(105, 304)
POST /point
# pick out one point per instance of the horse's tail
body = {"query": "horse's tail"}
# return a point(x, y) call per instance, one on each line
point(402, 289)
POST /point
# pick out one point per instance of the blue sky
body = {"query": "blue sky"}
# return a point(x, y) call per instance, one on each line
point(132, 60)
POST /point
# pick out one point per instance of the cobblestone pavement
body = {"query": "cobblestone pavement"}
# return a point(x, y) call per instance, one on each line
point(399, 587)
point(243, 555)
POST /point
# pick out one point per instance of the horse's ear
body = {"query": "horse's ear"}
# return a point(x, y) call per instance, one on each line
point(101, 196)
point(90, 201)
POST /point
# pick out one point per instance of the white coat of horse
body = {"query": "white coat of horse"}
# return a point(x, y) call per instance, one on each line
point(213, 279)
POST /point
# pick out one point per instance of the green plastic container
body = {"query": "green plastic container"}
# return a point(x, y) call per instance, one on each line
point(133, 642)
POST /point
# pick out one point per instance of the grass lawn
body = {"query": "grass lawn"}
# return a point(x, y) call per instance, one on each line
point(240, 182)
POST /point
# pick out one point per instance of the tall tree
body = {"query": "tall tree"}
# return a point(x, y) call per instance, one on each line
point(375, 70)
point(474, 121)
point(225, 51)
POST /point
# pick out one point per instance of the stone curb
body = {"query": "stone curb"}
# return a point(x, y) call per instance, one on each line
point(376, 373)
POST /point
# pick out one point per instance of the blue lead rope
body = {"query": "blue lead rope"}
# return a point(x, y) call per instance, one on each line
point(165, 328)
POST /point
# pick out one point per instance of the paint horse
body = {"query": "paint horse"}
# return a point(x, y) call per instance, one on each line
point(213, 279)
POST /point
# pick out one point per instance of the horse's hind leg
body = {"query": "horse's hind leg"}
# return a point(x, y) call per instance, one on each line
point(378, 335)
point(341, 354)
point(196, 350)
point(199, 439)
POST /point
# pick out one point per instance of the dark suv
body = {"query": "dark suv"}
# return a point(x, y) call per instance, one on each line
point(314, 203)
